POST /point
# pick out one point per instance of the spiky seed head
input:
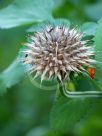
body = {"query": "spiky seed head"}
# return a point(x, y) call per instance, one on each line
point(56, 52)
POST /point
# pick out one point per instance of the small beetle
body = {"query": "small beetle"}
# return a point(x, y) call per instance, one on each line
point(91, 72)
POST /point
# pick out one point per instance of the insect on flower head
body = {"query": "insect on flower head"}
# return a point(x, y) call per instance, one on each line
point(91, 72)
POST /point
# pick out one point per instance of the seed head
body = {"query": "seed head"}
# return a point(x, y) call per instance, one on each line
point(56, 52)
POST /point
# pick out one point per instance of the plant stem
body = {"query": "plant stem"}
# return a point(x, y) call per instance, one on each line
point(79, 94)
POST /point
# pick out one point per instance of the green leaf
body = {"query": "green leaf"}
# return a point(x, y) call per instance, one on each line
point(4, 3)
point(94, 11)
point(11, 76)
point(85, 83)
point(52, 133)
point(66, 114)
point(22, 12)
point(98, 57)
point(89, 28)
point(98, 43)
point(39, 26)
point(38, 131)
point(98, 78)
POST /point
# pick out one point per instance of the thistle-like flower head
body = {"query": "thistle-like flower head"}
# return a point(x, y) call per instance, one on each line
point(56, 52)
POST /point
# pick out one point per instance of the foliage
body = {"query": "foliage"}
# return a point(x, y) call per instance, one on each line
point(66, 113)
point(12, 75)
point(25, 108)
point(23, 12)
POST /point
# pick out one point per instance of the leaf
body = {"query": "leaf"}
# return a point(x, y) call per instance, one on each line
point(11, 76)
point(38, 26)
point(98, 78)
point(66, 114)
point(94, 11)
point(85, 83)
point(98, 57)
point(89, 28)
point(52, 133)
point(38, 131)
point(22, 12)
point(4, 3)
point(98, 43)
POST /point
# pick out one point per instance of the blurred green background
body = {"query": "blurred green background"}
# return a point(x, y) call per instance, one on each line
point(24, 108)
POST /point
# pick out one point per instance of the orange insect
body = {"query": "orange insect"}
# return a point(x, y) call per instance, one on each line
point(91, 72)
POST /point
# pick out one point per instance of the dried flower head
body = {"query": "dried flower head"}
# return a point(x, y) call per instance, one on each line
point(57, 51)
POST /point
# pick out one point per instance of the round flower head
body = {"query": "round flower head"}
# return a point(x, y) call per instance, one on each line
point(56, 52)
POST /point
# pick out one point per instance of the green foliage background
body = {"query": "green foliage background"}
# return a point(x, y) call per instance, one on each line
point(26, 110)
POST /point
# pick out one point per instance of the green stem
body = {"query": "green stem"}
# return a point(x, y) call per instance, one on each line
point(80, 94)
